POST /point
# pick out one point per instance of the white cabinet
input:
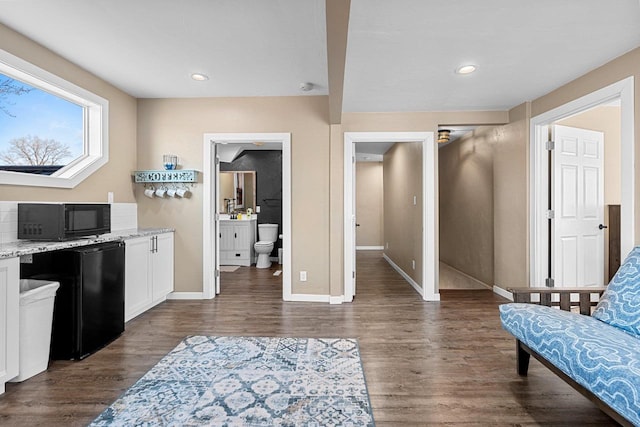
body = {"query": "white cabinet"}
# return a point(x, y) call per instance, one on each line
point(237, 238)
point(9, 316)
point(148, 272)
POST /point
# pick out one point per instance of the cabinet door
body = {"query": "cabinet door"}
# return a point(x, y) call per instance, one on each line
point(162, 265)
point(137, 280)
point(9, 319)
point(227, 237)
point(243, 234)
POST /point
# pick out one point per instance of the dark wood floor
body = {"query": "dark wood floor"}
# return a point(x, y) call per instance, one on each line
point(425, 363)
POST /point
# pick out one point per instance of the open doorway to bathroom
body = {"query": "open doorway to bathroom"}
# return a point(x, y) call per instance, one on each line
point(247, 212)
point(250, 214)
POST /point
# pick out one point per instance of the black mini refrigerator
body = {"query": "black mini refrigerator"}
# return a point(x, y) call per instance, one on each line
point(89, 306)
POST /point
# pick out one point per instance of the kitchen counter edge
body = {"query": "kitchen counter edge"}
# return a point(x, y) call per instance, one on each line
point(26, 247)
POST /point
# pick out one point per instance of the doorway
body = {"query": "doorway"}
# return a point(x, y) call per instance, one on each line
point(546, 256)
point(428, 278)
point(211, 224)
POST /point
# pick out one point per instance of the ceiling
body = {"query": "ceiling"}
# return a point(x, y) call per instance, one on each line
point(400, 55)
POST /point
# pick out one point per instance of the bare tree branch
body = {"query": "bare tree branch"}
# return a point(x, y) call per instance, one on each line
point(8, 87)
point(31, 150)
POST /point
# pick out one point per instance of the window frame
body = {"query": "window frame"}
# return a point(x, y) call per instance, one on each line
point(96, 125)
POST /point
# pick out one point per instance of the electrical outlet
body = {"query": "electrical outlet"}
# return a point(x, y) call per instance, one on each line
point(415, 200)
point(303, 276)
point(413, 264)
point(110, 197)
point(257, 209)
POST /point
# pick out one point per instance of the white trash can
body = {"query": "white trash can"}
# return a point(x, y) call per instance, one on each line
point(36, 318)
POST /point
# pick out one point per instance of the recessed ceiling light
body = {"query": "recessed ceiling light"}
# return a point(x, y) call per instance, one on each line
point(199, 77)
point(466, 69)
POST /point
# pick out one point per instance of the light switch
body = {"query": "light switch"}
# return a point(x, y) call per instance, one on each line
point(303, 276)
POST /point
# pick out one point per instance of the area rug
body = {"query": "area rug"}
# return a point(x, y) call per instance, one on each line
point(249, 381)
point(229, 268)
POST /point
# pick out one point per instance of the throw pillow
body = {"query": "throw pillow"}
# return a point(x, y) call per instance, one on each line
point(620, 303)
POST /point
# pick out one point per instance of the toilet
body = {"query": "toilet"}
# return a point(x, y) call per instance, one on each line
point(267, 236)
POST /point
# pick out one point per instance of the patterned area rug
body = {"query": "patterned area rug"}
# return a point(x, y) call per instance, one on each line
point(249, 381)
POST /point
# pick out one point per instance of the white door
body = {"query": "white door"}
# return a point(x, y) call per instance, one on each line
point(578, 203)
point(354, 219)
point(216, 216)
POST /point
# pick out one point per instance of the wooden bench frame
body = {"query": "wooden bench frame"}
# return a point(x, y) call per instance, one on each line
point(523, 352)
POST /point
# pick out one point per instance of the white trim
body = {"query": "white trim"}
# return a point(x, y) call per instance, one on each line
point(96, 123)
point(336, 300)
point(369, 248)
point(186, 295)
point(309, 298)
point(502, 292)
point(539, 171)
point(209, 238)
point(468, 277)
point(429, 182)
point(404, 275)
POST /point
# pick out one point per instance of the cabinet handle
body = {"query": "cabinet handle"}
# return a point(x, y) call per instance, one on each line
point(235, 235)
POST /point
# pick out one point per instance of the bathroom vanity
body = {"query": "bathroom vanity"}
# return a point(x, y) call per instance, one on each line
point(237, 237)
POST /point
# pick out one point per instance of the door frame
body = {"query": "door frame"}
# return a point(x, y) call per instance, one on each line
point(429, 203)
point(539, 172)
point(210, 180)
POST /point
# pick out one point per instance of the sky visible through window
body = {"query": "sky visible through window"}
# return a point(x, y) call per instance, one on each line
point(40, 114)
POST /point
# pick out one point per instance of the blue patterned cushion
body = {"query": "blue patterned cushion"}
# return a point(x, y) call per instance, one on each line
point(603, 359)
point(620, 303)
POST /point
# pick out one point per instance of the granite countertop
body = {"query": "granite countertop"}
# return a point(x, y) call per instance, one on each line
point(26, 247)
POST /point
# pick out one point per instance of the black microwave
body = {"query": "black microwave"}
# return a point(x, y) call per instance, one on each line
point(62, 221)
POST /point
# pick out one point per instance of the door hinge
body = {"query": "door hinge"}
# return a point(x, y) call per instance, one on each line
point(550, 145)
point(549, 282)
point(217, 273)
point(353, 274)
point(217, 216)
point(551, 214)
point(353, 159)
point(217, 160)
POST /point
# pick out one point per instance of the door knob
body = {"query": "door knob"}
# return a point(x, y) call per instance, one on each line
point(601, 226)
point(357, 225)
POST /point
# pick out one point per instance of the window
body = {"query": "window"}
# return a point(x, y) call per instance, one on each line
point(52, 132)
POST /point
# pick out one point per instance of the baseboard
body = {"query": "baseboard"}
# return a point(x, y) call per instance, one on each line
point(185, 295)
point(336, 300)
point(502, 292)
point(473, 279)
point(309, 298)
point(403, 274)
point(369, 248)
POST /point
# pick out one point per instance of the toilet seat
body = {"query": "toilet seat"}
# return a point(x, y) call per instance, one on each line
point(263, 244)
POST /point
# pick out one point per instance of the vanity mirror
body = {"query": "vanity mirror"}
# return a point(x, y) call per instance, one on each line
point(239, 188)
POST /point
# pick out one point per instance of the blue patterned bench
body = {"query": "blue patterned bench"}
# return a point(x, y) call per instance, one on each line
point(599, 355)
